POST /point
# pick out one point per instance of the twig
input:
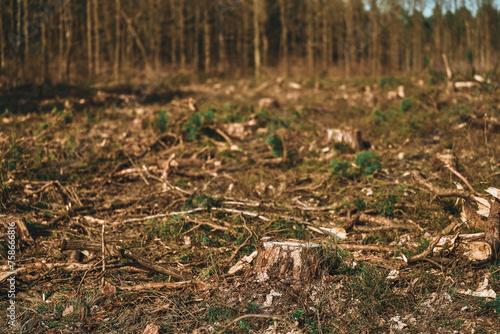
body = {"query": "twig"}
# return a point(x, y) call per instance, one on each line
point(244, 243)
point(103, 243)
point(163, 215)
point(83, 278)
point(461, 177)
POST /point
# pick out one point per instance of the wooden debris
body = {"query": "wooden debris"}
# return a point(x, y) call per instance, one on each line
point(243, 264)
point(151, 329)
point(288, 260)
point(492, 230)
point(268, 103)
point(124, 253)
point(22, 235)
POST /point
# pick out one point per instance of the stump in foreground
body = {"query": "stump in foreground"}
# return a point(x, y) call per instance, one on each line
point(287, 260)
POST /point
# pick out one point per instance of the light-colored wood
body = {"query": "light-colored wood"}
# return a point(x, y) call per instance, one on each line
point(287, 260)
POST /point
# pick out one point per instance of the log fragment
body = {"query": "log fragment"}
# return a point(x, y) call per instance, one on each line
point(287, 260)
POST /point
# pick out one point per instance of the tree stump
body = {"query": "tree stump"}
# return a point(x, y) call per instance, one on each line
point(287, 260)
point(16, 227)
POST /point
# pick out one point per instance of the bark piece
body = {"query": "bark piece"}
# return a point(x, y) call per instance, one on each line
point(288, 260)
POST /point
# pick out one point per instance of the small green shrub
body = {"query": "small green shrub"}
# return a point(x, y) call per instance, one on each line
point(405, 105)
point(195, 123)
point(276, 145)
point(161, 120)
point(379, 117)
point(368, 162)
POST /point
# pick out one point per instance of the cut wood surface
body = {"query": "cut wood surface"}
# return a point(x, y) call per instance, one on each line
point(287, 260)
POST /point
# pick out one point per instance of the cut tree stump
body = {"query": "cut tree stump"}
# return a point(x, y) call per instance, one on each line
point(22, 234)
point(287, 260)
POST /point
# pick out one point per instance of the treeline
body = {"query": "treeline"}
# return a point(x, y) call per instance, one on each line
point(91, 40)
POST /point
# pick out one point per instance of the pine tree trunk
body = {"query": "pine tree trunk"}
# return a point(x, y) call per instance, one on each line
point(182, 47)
point(222, 49)
point(26, 33)
point(97, 40)
point(196, 46)
point(89, 39)
point(256, 36)
point(309, 36)
point(116, 64)
point(324, 35)
point(206, 38)
point(2, 43)
point(284, 36)
point(349, 41)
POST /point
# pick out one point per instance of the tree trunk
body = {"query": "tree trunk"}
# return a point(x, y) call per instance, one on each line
point(222, 49)
point(61, 43)
point(348, 49)
point(26, 33)
point(45, 62)
point(134, 34)
point(256, 36)
point(196, 42)
point(324, 34)
point(244, 41)
point(173, 33)
point(182, 47)
point(206, 38)
point(97, 40)
point(89, 38)
point(116, 64)
point(68, 25)
point(309, 35)
point(284, 36)
point(374, 47)
point(394, 44)
point(417, 42)
point(2, 43)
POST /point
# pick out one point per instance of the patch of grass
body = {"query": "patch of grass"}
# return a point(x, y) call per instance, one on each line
point(495, 305)
point(386, 205)
point(219, 314)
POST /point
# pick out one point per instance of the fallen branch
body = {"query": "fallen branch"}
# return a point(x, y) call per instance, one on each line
point(430, 248)
point(376, 248)
point(157, 285)
point(124, 253)
point(441, 192)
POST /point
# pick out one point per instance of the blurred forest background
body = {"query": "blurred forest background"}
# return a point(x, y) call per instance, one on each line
point(110, 41)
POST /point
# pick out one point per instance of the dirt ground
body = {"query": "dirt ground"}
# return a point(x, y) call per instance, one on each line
point(186, 178)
